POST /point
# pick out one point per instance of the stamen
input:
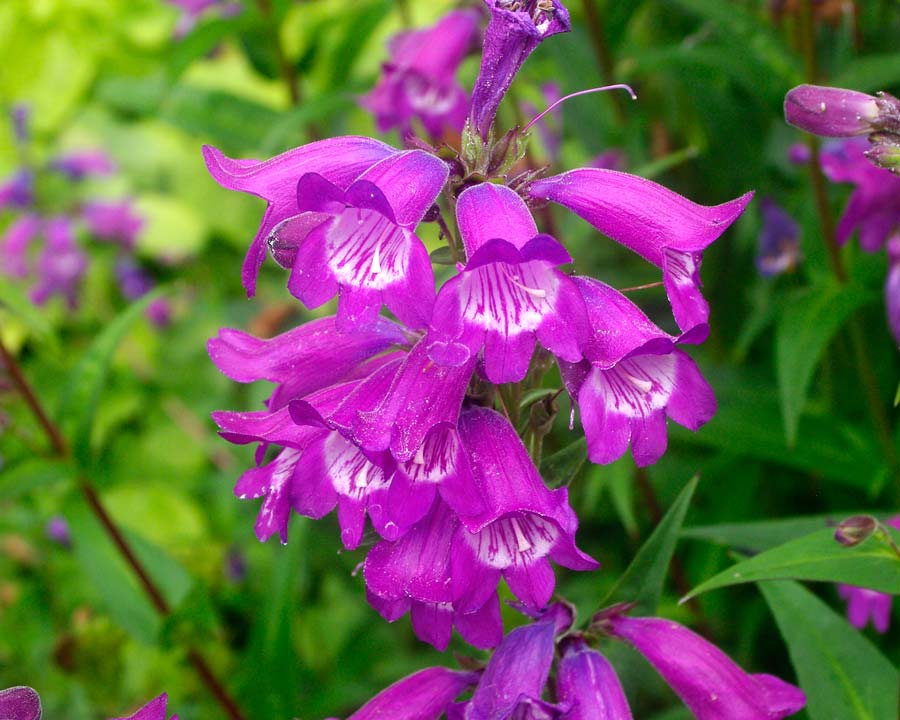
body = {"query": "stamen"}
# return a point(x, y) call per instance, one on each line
point(559, 102)
point(534, 292)
point(521, 541)
point(376, 259)
point(642, 385)
point(419, 459)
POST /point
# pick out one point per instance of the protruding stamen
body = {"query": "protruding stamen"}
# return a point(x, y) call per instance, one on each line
point(376, 259)
point(534, 292)
point(642, 385)
point(620, 86)
point(521, 541)
point(419, 459)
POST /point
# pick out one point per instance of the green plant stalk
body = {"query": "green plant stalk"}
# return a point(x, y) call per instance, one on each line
point(61, 449)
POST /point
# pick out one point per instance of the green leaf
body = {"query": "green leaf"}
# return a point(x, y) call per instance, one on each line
point(643, 581)
point(85, 382)
point(869, 74)
point(810, 320)
point(755, 537)
point(817, 556)
point(32, 474)
point(843, 674)
point(560, 468)
point(24, 310)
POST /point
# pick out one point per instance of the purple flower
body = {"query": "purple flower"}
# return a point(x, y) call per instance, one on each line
point(15, 243)
point(191, 10)
point(418, 81)
point(424, 695)
point(864, 605)
point(113, 220)
point(18, 191)
point(58, 531)
point(874, 205)
point(706, 679)
point(159, 312)
point(513, 681)
point(509, 294)
point(588, 684)
point(829, 111)
point(133, 281)
point(153, 710)
point(798, 153)
point(779, 240)
point(61, 263)
point(235, 565)
point(632, 378)
point(20, 115)
point(661, 226)
point(515, 29)
point(20, 703)
point(84, 163)
point(359, 243)
point(892, 287)
point(339, 160)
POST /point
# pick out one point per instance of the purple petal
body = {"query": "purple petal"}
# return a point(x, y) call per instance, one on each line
point(340, 160)
point(411, 182)
point(85, 163)
point(487, 211)
point(705, 678)
point(586, 681)
point(830, 111)
point(61, 263)
point(20, 703)
point(892, 288)
point(421, 696)
point(484, 627)
point(14, 245)
point(153, 710)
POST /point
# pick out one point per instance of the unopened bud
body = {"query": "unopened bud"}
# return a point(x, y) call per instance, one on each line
point(885, 151)
point(832, 112)
point(856, 529)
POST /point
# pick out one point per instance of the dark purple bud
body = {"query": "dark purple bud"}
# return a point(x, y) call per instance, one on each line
point(832, 112)
point(133, 281)
point(235, 565)
point(20, 703)
point(856, 529)
point(58, 531)
point(516, 28)
point(779, 240)
point(799, 154)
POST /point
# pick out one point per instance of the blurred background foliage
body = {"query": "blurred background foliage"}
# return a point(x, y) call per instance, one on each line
point(287, 628)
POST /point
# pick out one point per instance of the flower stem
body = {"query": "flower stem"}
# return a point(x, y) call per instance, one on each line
point(61, 450)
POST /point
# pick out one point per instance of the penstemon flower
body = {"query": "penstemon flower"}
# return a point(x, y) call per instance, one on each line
point(20, 703)
point(153, 710)
point(400, 423)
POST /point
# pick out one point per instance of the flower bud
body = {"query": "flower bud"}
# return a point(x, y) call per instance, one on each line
point(832, 112)
point(856, 529)
point(20, 703)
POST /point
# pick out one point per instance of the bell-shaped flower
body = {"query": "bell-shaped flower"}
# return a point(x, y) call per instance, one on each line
point(15, 244)
point(113, 220)
point(588, 684)
point(515, 29)
point(153, 710)
point(509, 294)
point(303, 360)
point(524, 524)
point(20, 703)
point(424, 695)
point(513, 682)
point(61, 263)
point(413, 574)
point(706, 679)
point(864, 605)
point(661, 226)
point(632, 378)
point(830, 111)
point(779, 240)
point(359, 243)
point(874, 205)
point(892, 286)
point(82, 164)
point(339, 160)
point(418, 81)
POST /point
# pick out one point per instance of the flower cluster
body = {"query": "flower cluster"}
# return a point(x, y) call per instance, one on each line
point(403, 421)
point(59, 264)
point(585, 685)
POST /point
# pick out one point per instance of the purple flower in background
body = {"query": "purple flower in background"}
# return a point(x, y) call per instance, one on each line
point(874, 205)
point(20, 115)
point(661, 226)
point(15, 243)
point(509, 295)
point(864, 605)
point(779, 240)
point(113, 220)
point(133, 281)
point(632, 378)
point(235, 565)
point(798, 153)
point(83, 163)
point(424, 695)
point(20, 703)
point(359, 243)
point(57, 530)
point(339, 160)
point(588, 684)
point(706, 679)
point(153, 710)
point(18, 191)
point(515, 29)
point(418, 81)
point(191, 10)
point(892, 287)
point(513, 681)
point(61, 263)
point(613, 159)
